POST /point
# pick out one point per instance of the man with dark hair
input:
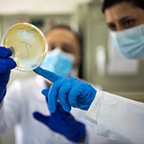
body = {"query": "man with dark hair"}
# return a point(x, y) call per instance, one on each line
point(123, 14)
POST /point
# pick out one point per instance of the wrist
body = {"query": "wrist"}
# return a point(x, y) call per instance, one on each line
point(2, 94)
point(93, 95)
point(1, 103)
point(85, 140)
point(79, 134)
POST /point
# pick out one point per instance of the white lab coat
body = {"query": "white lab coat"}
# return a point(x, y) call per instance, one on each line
point(118, 118)
point(21, 100)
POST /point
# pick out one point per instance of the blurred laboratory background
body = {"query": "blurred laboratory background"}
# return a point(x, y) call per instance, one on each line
point(101, 63)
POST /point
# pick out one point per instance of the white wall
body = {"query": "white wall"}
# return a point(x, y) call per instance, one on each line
point(38, 6)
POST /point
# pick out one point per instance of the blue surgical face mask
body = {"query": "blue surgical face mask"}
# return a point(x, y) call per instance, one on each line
point(59, 62)
point(130, 43)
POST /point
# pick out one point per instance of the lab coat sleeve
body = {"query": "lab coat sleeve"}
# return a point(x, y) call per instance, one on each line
point(10, 108)
point(118, 118)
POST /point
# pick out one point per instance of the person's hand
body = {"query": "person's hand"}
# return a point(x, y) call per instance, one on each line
point(6, 64)
point(69, 91)
point(63, 123)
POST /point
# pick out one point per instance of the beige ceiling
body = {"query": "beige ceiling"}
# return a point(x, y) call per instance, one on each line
point(38, 6)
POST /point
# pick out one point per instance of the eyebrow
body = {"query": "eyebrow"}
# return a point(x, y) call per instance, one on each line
point(124, 18)
point(120, 21)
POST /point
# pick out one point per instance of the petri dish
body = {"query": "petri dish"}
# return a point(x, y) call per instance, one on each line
point(27, 44)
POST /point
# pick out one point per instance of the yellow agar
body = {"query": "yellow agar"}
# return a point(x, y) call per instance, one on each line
point(28, 44)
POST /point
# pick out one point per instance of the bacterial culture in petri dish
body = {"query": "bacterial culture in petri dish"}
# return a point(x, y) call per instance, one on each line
point(28, 46)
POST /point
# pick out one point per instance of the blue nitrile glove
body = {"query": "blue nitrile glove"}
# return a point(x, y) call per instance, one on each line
point(6, 64)
point(63, 123)
point(70, 92)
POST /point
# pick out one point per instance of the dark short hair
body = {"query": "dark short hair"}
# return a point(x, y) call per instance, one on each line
point(66, 27)
point(109, 3)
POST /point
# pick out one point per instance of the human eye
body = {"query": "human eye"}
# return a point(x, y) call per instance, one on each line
point(128, 23)
point(67, 48)
point(51, 47)
point(112, 27)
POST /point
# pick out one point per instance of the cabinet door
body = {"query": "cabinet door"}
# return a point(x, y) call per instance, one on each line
point(97, 37)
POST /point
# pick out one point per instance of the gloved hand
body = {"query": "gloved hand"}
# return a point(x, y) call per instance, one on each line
point(6, 64)
point(63, 123)
point(70, 92)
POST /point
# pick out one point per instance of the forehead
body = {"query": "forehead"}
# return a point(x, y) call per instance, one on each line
point(61, 35)
point(121, 10)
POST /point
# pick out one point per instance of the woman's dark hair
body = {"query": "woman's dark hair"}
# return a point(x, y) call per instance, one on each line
point(109, 3)
point(66, 27)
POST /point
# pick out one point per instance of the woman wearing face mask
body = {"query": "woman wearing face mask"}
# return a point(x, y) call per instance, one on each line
point(116, 117)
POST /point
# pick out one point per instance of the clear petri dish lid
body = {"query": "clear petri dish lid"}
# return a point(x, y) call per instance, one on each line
point(27, 44)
